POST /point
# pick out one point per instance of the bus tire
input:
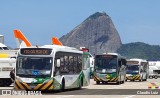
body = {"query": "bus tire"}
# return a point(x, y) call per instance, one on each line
point(150, 77)
point(155, 77)
point(103, 82)
point(63, 85)
point(123, 81)
point(118, 83)
point(97, 82)
point(145, 79)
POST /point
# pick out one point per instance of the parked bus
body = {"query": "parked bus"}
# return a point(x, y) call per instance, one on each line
point(6, 65)
point(51, 67)
point(137, 69)
point(110, 67)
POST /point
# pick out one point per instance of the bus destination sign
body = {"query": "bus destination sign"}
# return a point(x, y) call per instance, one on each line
point(132, 62)
point(35, 51)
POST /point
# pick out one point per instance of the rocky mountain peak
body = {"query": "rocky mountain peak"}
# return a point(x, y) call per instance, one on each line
point(96, 15)
point(97, 33)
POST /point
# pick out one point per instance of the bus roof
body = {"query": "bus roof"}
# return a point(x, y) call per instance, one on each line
point(115, 54)
point(137, 59)
point(58, 48)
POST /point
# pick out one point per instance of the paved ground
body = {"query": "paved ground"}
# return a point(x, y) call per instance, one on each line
point(127, 90)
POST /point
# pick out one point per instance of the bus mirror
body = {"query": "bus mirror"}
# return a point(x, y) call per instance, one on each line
point(58, 62)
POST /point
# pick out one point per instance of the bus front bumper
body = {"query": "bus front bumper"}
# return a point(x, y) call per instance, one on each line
point(32, 86)
point(133, 77)
point(105, 78)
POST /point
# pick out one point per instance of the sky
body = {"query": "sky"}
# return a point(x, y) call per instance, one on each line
point(39, 20)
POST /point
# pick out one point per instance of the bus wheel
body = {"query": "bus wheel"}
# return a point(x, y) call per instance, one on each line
point(97, 82)
point(145, 79)
point(123, 81)
point(103, 82)
point(155, 77)
point(151, 77)
point(118, 83)
point(63, 85)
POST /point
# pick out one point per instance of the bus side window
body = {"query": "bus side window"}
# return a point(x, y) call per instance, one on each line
point(66, 64)
point(71, 67)
point(75, 64)
point(62, 65)
point(79, 64)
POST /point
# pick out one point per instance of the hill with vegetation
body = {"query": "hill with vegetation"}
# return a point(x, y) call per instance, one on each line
point(140, 50)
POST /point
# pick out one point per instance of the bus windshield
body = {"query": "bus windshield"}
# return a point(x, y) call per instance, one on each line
point(34, 66)
point(132, 69)
point(106, 64)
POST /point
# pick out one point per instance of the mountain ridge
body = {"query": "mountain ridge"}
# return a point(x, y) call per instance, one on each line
point(140, 50)
point(97, 32)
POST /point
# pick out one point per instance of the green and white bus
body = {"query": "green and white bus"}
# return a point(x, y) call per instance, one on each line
point(137, 69)
point(51, 67)
point(110, 67)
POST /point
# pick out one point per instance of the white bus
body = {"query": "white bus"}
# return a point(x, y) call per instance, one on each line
point(6, 65)
point(110, 67)
point(137, 69)
point(51, 67)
